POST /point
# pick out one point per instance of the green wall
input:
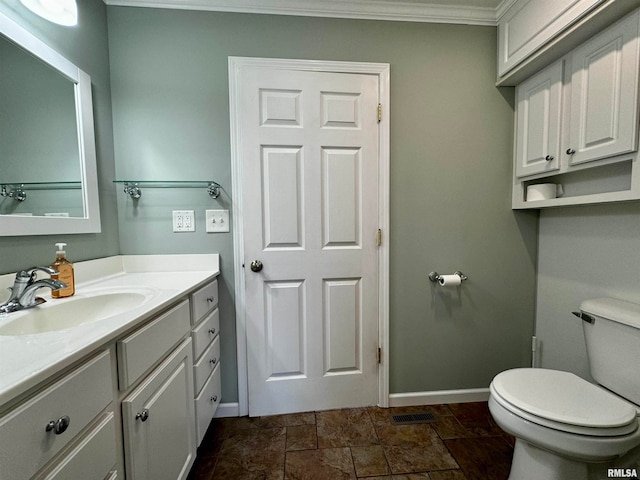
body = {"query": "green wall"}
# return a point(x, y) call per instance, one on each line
point(451, 150)
point(585, 252)
point(85, 45)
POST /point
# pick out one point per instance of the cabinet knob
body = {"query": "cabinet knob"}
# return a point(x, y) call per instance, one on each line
point(213, 361)
point(58, 426)
point(549, 158)
point(214, 399)
point(143, 415)
point(570, 151)
point(212, 331)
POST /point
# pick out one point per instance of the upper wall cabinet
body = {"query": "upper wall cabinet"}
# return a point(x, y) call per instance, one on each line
point(576, 123)
point(529, 24)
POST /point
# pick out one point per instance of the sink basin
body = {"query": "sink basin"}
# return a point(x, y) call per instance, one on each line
point(68, 313)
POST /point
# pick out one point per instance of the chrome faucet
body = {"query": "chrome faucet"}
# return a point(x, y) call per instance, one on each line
point(25, 286)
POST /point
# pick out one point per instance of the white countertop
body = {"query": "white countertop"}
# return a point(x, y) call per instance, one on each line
point(27, 360)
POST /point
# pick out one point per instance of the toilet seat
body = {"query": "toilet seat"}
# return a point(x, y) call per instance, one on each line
point(564, 401)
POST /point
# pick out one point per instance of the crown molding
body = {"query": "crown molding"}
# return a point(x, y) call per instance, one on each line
point(357, 9)
point(503, 7)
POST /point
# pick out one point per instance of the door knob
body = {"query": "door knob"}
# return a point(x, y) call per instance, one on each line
point(256, 266)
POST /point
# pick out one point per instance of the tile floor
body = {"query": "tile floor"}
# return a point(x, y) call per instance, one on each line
point(464, 443)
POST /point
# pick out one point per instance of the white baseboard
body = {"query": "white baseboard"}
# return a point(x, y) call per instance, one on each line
point(437, 397)
point(228, 410)
point(232, 409)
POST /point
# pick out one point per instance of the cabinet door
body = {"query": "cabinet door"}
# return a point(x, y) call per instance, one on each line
point(529, 24)
point(159, 421)
point(604, 94)
point(538, 114)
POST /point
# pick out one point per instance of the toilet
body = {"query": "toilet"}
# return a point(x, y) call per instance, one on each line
point(565, 426)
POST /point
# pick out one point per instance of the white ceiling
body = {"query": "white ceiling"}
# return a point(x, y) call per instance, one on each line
point(474, 12)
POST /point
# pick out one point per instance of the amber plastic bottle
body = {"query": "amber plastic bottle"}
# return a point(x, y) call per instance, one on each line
point(65, 273)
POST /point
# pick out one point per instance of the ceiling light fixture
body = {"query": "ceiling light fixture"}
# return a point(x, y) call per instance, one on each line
point(62, 12)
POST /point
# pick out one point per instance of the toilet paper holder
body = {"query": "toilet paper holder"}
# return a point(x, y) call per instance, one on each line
point(435, 276)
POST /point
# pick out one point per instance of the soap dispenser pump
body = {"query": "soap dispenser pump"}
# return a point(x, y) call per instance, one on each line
point(65, 273)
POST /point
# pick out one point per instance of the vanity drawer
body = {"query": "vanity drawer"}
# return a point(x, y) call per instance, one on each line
point(92, 459)
point(207, 403)
point(204, 300)
point(203, 368)
point(138, 352)
point(25, 445)
point(204, 333)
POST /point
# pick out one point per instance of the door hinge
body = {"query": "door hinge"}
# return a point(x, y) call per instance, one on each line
point(379, 112)
point(379, 237)
point(379, 355)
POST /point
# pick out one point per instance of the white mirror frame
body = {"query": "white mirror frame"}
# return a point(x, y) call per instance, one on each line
point(90, 223)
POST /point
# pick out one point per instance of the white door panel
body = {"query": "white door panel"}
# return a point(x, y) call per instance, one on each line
point(310, 209)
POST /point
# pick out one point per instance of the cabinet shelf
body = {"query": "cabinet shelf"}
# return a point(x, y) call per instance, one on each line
point(133, 188)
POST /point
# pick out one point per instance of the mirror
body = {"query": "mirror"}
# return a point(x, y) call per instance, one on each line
point(48, 178)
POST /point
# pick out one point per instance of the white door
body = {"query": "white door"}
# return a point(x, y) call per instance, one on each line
point(309, 154)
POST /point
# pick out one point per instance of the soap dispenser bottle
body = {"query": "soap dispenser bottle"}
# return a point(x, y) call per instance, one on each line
point(65, 273)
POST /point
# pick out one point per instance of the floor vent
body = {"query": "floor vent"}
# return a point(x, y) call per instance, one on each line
point(413, 418)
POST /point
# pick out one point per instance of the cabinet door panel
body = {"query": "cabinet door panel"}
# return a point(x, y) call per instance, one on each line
point(207, 403)
point(529, 24)
point(92, 459)
point(604, 94)
point(538, 115)
point(162, 446)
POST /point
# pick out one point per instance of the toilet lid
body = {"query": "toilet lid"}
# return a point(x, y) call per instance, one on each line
point(563, 397)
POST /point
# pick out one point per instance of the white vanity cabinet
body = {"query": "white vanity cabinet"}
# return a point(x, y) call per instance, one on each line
point(157, 413)
point(579, 113)
point(113, 398)
point(68, 427)
point(205, 334)
point(529, 24)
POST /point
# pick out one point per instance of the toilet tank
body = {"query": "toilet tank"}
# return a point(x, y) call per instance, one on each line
point(613, 344)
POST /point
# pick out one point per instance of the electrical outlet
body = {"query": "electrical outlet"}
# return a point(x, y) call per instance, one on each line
point(217, 221)
point(184, 221)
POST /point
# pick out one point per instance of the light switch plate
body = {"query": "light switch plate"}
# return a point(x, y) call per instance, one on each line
point(184, 221)
point(217, 221)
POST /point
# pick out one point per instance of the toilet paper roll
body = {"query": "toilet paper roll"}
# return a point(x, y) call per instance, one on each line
point(541, 191)
point(449, 280)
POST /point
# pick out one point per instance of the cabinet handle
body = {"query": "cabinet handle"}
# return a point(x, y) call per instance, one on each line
point(213, 361)
point(212, 331)
point(570, 151)
point(210, 299)
point(58, 426)
point(214, 399)
point(548, 158)
point(143, 416)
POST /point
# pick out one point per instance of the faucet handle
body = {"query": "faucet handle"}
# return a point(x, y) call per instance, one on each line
point(49, 270)
point(31, 273)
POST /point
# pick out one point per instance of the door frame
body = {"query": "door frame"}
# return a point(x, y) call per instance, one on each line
point(382, 71)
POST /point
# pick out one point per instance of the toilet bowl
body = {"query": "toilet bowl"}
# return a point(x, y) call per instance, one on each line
point(561, 423)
